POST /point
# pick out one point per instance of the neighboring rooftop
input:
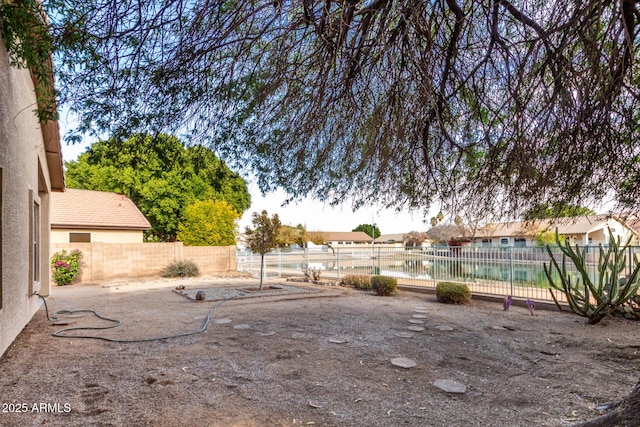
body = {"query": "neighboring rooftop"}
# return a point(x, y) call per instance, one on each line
point(575, 226)
point(346, 236)
point(75, 208)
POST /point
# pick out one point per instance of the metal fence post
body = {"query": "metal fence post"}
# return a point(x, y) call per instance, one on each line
point(511, 269)
point(433, 265)
point(280, 264)
point(338, 263)
point(379, 266)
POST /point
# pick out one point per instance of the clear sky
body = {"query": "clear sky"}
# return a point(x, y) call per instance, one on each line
point(315, 215)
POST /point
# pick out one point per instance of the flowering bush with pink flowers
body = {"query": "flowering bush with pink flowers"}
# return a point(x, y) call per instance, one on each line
point(65, 267)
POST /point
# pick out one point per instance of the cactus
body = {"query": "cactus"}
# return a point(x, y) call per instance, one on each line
point(586, 298)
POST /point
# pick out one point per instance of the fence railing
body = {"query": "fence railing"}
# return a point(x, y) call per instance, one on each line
point(499, 271)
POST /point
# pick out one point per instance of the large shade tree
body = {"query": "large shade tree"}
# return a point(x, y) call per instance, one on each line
point(161, 175)
point(504, 104)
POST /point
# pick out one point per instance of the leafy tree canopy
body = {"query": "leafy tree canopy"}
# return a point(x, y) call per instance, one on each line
point(372, 231)
point(503, 104)
point(556, 210)
point(208, 223)
point(160, 175)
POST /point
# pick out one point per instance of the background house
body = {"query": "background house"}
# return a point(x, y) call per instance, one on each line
point(582, 231)
point(85, 216)
point(30, 170)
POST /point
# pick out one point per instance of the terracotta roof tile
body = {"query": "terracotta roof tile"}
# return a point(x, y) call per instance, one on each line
point(75, 208)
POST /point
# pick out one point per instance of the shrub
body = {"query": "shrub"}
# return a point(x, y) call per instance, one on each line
point(182, 268)
point(358, 281)
point(65, 267)
point(453, 293)
point(384, 285)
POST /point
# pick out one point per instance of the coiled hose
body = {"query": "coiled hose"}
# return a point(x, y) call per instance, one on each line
point(115, 323)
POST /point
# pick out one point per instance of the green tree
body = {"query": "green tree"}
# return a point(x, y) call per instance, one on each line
point(372, 231)
point(208, 223)
point(160, 175)
point(264, 236)
point(556, 210)
point(505, 104)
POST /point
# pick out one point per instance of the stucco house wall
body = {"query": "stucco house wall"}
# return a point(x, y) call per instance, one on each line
point(30, 168)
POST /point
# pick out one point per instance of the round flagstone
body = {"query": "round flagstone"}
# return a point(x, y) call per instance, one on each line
point(403, 362)
point(225, 320)
point(416, 321)
point(243, 326)
point(404, 334)
point(416, 328)
point(419, 316)
point(444, 328)
point(421, 307)
point(499, 328)
point(266, 334)
point(338, 341)
point(298, 335)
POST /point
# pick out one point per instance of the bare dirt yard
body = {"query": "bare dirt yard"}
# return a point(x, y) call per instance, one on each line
point(321, 356)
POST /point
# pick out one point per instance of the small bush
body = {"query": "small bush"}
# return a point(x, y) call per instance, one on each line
point(384, 285)
point(358, 281)
point(65, 267)
point(181, 269)
point(453, 293)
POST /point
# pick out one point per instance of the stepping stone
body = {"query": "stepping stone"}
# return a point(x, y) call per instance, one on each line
point(243, 326)
point(419, 316)
point(403, 362)
point(421, 307)
point(266, 334)
point(416, 328)
point(416, 321)
point(337, 341)
point(499, 328)
point(422, 311)
point(450, 386)
point(221, 321)
point(444, 328)
point(404, 334)
point(298, 335)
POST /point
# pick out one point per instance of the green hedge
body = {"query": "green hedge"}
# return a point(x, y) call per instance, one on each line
point(384, 285)
point(358, 281)
point(453, 293)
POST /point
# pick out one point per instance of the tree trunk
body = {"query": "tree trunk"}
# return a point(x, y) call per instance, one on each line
point(625, 414)
point(261, 269)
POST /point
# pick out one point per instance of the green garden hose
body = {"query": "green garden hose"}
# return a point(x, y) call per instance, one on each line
point(115, 323)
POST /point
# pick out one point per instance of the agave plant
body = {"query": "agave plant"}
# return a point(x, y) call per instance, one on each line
point(586, 298)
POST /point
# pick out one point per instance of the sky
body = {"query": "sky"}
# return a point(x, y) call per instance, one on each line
point(314, 215)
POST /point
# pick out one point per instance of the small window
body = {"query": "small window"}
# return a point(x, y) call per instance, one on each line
point(79, 237)
point(36, 242)
point(504, 241)
point(520, 242)
point(486, 242)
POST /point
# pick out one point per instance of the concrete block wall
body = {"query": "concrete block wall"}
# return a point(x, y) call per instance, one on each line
point(104, 261)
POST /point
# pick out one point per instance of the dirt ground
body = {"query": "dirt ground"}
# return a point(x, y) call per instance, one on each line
point(321, 357)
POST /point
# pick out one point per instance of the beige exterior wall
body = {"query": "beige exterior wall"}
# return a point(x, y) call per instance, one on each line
point(61, 235)
point(104, 261)
point(24, 178)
